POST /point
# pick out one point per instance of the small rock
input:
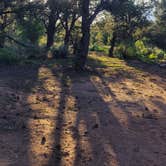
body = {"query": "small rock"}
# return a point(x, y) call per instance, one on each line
point(17, 114)
point(85, 133)
point(136, 149)
point(18, 97)
point(23, 126)
point(43, 141)
point(58, 147)
point(4, 117)
point(35, 117)
point(45, 155)
point(146, 108)
point(57, 128)
point(65, 154)
point(156, 111)
point(95, 126)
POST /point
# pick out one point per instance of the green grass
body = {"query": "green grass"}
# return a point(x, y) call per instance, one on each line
point(101, 49)
point(102, 61)
point(8, 56)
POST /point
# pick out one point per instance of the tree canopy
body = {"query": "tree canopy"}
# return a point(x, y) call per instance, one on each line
point(70, 25)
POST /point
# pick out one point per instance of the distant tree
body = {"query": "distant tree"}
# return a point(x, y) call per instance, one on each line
point(12, 11)
point(160, 14)
point(30, 24)
point(6, 18)
point(157, 32)
point(51, 20)
point(101, 30)
point(68, 17)
point(127, 19)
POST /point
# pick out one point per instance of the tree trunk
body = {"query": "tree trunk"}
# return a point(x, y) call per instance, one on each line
point(113, 41)
point(2, 36)
point(2, 41)
point(51, 30)
point(83, 48)
point(67, 39)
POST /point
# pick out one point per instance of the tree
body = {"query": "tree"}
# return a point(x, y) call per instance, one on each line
point(88, 11)
point(160, 13)
point(68, 17)
point(30, 24)
point(101, 29)
point(158, 30)
point(12, 11)
point(129, 16)
point(6, 18)
point(51, 22)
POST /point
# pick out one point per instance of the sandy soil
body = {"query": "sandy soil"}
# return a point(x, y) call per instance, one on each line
point(51, 116)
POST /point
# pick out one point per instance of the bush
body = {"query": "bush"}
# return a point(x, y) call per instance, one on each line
point(8, 56)
point(104, 49)
point(159, 53)
point(148, 54)
point(119, 51)
point(95, 47)
point(140, 51)
point(152, 56)
point(141, 48)
point(125, 51)
point(130, 52)
point(35, 53)
point(61, 52)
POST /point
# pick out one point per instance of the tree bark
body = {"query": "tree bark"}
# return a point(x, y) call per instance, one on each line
point(67, 38)
point(87, 19)
point(2, 40)
point(51, 30)
point(83, 48)
point(113, 41)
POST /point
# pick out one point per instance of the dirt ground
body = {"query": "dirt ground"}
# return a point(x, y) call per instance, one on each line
point(113, 116)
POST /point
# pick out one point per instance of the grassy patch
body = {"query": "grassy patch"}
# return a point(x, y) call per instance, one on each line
point(8, 56)
point(101, 61)
point(101, 49)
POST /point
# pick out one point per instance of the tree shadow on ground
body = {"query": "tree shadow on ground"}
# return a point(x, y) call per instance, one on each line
point(151, 70)
point(89, 123)
point(103, 132)
point(16, 84)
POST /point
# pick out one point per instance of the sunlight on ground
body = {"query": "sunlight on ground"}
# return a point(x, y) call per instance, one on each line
point(45, 112)
point(79, 119)
point(104, 61)
point(109, 96)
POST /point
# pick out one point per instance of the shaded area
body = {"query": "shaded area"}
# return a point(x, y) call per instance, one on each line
point(100, 117)
point(15, 85)
point(105, 131)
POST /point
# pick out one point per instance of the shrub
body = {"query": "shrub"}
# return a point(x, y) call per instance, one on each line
point(8, 56)
point(152, 56)
point(159, 53)
point(125, 50)
point(103, 49)
point(32, 52)
point(61, 52)
point(140, 51)
point(119, 50)
point(130, 52)
point(95, 47)
point(141, 48)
